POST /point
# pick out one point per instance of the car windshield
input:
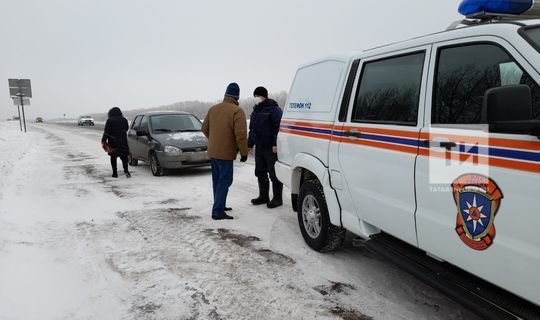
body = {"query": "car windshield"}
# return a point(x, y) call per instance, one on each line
point(532, 35)
point(174, 123)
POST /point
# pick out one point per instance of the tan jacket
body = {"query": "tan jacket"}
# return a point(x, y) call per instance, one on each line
point(226, 129)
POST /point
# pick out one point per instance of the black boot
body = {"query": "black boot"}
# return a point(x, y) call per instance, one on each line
point(264, 188)
point(277, 200)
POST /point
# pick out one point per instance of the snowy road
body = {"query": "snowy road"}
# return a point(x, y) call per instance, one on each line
point(78, 244)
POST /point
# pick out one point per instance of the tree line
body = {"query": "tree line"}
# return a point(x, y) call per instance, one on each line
point(198, 108)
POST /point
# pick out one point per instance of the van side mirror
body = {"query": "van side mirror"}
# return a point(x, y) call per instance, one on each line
point(508, 109)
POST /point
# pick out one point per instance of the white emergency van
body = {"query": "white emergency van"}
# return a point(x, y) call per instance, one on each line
point(429, 144)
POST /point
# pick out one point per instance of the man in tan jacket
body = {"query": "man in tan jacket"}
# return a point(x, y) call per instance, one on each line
point(226, 129)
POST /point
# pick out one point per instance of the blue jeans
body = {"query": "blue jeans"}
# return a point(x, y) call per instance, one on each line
point(222, 178)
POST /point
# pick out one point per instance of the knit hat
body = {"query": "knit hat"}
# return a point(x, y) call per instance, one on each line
point(233, 91)
point(261, 92)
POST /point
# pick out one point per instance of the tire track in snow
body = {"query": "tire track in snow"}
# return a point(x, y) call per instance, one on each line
point(224, 275)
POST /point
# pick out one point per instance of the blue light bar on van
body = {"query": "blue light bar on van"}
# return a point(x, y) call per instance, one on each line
point(495, 7)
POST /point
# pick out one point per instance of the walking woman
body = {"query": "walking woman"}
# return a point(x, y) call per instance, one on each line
point(115, 138)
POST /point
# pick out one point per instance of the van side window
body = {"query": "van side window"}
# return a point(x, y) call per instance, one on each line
point(136, 123)
point(465, 73)
point(389, 90)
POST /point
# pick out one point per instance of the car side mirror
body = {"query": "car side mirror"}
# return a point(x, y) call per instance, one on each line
point(508, 109)
point(142, 133)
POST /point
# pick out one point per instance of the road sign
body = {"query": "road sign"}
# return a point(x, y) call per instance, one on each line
point(20, 87)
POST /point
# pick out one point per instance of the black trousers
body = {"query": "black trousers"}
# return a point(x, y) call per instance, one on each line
point(265, 160)
point(124, 163)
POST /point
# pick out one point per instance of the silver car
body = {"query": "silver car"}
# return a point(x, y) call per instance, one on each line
point(167, 140)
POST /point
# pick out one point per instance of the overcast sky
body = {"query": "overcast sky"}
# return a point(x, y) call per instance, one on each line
point(85, 56)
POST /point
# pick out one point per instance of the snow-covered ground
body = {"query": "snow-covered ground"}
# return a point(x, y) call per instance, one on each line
point(78, 244)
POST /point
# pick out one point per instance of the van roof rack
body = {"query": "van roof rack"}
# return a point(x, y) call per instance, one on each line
point(486, 18)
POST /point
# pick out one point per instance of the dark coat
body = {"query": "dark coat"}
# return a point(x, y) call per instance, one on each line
point(264, 124)
point(115, 135)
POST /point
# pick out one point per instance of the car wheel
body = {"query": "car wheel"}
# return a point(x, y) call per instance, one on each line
point(132, 161)
point(155, 166)
point(314, 221)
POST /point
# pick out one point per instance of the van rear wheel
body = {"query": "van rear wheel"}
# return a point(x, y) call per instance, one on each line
point(314, 221)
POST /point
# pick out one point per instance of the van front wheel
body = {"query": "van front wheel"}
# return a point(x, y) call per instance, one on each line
point(314, 221)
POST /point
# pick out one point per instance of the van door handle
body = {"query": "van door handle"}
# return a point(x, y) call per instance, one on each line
point(448, 145)
point(353, 133)
point(441, 144)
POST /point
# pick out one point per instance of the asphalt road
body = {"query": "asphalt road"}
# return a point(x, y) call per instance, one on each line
point(98, 126)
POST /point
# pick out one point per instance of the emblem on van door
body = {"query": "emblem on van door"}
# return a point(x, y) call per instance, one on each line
point(478, 198)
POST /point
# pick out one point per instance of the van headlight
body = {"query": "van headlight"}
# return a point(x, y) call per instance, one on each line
point(173, 151)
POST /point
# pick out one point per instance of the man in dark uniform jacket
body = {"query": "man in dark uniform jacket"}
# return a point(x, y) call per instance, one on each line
point(263, 131)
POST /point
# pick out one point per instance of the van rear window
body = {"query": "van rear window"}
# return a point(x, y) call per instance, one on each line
point(532, 35)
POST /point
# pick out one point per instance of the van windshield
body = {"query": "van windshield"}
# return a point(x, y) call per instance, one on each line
point(532, 35)
point(174, 123)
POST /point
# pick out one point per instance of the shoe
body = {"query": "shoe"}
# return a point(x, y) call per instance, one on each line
point(115, 175)
point(128, 175)
point(222, 217)
point(263, 198)
point(277, 198)
point(227, 209)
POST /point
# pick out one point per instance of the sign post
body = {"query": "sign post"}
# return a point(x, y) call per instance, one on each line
point(21, 90)
point(20, 120)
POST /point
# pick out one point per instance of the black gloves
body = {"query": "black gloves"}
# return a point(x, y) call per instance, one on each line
point(243, 158)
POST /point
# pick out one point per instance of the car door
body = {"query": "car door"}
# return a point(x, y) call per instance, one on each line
point(143, 142)
point(379, 142)
point(133, 139)
point(478, 191)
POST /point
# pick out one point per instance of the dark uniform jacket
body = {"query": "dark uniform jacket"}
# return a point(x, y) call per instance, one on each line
point(264, 124)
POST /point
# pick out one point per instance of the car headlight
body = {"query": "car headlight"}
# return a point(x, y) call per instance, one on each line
point(172, 150)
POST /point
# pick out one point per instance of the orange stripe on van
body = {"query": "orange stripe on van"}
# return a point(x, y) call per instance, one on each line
point(381, 145)
point(306, 134)
point(387, 132)
point(455, 156)
point(487, 141)
point(309, 124)
point(482, 160)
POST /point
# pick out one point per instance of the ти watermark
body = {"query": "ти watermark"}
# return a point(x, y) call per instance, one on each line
point(455, 154)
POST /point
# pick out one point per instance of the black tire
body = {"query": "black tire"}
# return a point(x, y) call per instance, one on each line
point(155, 166)
point(132, 161)
point(330, 237)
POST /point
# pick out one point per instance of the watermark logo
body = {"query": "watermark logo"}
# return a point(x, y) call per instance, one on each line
point(456, 154)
